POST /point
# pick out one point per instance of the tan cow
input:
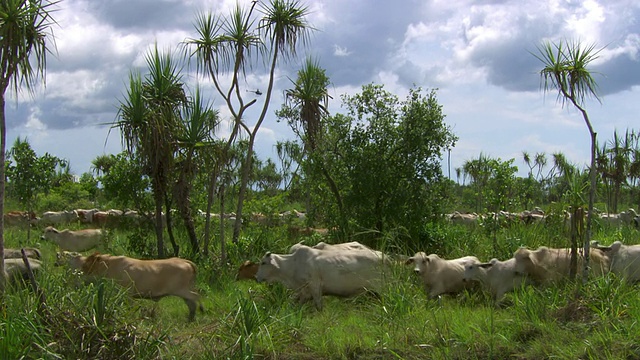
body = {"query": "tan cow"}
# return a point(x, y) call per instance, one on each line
point(146, 279)
point(313, 273)
point(20, 218)
point(247, 271)
point(74, 240)
point(17, 253)
point(440, 276)
point(545, 264)
point(498, 277)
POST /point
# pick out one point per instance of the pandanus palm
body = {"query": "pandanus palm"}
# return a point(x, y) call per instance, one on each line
point(226, 45)
point(194, 135)
point(25, 29)
point(147, 120)
point(566, 71)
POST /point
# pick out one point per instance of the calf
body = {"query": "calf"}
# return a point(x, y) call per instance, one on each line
point(313, 273)
point(548, 264)
point(440, 276)
point(247, 271)
point(147, 279)
point(70, 240)
point(498, 277)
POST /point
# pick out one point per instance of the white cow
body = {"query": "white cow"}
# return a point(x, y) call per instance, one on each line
point(498, 277)
point(59, 217)
point(17, 253)
point(625, 260)
point(78, 240)
point(16, 269)
point(313, 273)
point(353, 245)
point(552, 264)
point(465, 219)
point(440, 276)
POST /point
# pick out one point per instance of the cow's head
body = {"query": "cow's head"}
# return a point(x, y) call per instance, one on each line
point(420, 261)
point(247, 270)
point(268, 268)
point(473, 270)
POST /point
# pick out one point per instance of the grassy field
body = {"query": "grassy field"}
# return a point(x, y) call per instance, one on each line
point(246, 320)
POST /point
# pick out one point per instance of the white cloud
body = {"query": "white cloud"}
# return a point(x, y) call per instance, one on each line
point(340, 51)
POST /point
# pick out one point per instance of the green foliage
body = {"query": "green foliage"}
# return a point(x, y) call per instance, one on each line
point(29, 174)
point(493, 183)
point(139, 243)
point(385, 160)
point(125, 185)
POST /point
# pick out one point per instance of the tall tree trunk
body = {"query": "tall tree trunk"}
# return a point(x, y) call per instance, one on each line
point(213, 183)
point(172, 238)
point(158, 197)
point(223, 248)
point(592, 195)
point(3, 146)
point(577, 227)
point(246, 170)
point(182, 190)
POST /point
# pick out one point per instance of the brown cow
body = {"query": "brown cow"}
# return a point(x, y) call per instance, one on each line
point(147, 279)
point(20, 218)
point(247, 271)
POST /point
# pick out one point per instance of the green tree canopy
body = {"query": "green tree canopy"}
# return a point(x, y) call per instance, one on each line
point(385, 157)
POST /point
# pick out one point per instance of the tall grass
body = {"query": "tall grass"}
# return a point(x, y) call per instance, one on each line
point(247, 320)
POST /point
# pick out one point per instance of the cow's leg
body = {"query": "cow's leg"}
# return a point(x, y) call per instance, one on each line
point(196, 298)
point(316, 293)
point(192, 305)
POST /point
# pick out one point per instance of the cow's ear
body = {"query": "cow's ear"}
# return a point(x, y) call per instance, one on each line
point(409, 261)
point(485, 265)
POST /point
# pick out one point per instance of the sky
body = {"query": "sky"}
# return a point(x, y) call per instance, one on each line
point(479, 55)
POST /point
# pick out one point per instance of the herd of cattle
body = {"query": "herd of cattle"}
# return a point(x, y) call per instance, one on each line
point(351, 268)
point(537, 215)
point(344, 270)
point(113, 217)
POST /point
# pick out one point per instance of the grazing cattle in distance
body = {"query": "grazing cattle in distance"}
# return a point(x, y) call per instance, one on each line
point(17, 253)
point(552, 264)
point(498, 277)
point(296, 231)
point(16, 270)
point(625, 259)
point(247, 271)
point(145, 279)
point(20, 218)
point(313, 273)
point(86, 216)
point(54, 218)
point(440, 276)
point(70, 240)
point(464, 219)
